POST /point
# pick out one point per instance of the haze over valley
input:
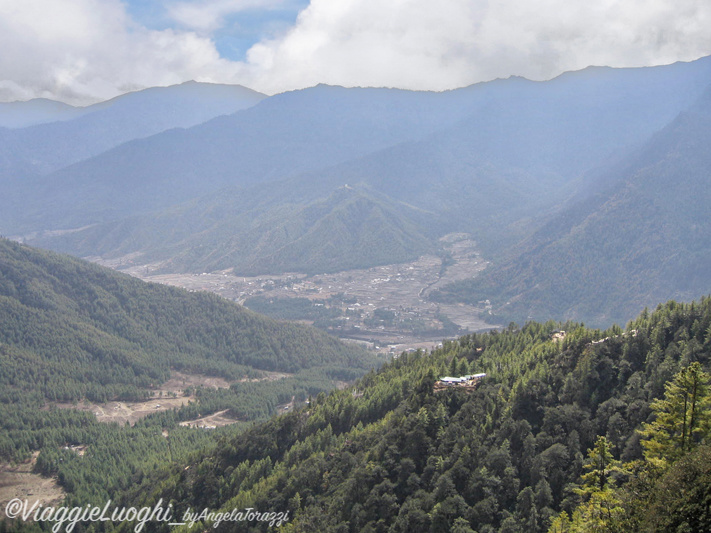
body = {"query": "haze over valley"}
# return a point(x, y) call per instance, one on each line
point(330, 180)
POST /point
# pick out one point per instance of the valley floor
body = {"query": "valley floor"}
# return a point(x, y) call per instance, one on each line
point(399, 289)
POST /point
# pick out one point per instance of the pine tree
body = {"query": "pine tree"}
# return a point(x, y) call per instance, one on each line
point(683, 417)
point(600, 465)
point(603, 511)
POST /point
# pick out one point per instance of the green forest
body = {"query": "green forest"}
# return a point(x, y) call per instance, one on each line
point(593, 431)
point(59, 313)
point(572, 429)
point(73, 333)
point(586, 430)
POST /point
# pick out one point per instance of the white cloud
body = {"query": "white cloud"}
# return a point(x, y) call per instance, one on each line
point(84, 50)
point(209, 15)
point(421, 44)
point(79, 50)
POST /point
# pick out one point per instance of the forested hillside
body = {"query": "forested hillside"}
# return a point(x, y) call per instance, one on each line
point(644, 238)
point(59, 314)
point(391, 454)
point(250, 232)
point(73, 334)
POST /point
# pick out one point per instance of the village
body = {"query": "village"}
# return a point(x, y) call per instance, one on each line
point(385, 308)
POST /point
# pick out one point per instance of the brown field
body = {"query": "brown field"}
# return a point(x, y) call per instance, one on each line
point(169, 396)
point(18, 481)
point(215, 420)
point(127, 412)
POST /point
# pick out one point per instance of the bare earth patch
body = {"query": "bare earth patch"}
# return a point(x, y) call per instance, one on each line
point(18, 481)
point(268, 376)
point(215, 420)
point(170, 395)
point(178, 382)
point(127, 412)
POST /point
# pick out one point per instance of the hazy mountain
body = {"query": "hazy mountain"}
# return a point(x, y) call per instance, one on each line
point(282, 136)
point(47, 147)
point(253, 233)
point(36, 111)
point(517, 139)
point(646, 239)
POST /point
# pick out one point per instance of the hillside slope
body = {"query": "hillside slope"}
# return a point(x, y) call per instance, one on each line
point(645, 239)
point(396, 454)
point(251, 233)
point(70, 329)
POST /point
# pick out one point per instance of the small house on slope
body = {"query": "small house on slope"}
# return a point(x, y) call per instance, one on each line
point(468, 382)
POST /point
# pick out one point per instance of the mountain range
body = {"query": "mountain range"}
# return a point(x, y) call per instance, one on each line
point(27, 154)
point(329, 178)
point(86, 132)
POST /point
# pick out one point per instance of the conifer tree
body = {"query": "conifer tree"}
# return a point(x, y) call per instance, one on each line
point(683, 417)
point(603, 511)
point(601, 464)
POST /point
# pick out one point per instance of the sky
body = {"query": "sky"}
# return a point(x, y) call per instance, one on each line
point(83, 51)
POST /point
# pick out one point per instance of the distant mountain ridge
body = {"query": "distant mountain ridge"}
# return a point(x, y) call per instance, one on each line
point(505, 161)
point(28, 154)
point(36, 111)
point(529, 126)
point(283, 136)
point(95, 129)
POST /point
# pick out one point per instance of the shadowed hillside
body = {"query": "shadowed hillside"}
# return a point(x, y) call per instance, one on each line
point(645, 239)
